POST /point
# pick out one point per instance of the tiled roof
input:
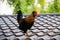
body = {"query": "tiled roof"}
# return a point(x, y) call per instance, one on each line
point(46, 27)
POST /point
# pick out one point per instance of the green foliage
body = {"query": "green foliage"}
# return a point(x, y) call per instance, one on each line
point(56, 5)
point(13, 2)
point(53, 7)
point(21, 4)
point(29, 2)
point(42, 2)
point(27, 6)
point(59, 7)
point(50, 8)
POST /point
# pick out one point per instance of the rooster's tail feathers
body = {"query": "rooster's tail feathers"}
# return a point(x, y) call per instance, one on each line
point(19, 14)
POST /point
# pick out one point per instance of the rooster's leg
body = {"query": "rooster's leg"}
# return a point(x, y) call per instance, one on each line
point(26, 33)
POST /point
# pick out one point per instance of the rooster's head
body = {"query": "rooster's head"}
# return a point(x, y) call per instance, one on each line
point(34, 13)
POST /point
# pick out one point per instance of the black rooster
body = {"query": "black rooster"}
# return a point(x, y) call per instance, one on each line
point(25, 23)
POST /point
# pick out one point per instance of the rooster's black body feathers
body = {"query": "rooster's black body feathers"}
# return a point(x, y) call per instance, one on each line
point(23, 24)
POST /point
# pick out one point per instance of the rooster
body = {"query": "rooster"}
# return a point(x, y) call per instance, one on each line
point(27, 22)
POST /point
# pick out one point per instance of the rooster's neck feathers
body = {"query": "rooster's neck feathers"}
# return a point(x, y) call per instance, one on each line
point(29, 18)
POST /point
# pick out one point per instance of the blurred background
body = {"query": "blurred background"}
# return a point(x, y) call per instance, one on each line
point(27, 6)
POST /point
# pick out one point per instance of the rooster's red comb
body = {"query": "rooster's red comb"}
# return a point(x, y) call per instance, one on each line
point(34, 12)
